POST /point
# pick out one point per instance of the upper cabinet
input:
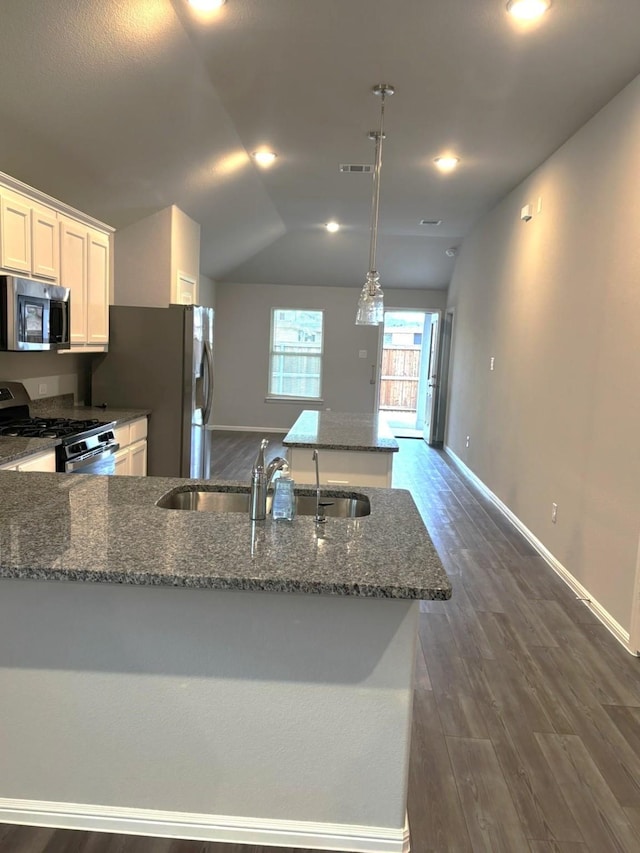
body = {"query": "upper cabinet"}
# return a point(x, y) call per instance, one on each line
point(45, 239)
point(15, 233)
point(45, 243)
point(84, 268)
point(157, 260)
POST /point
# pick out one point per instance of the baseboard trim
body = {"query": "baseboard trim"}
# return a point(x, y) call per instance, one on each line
point(581, 592)
point(249, 429)
point(204, 827)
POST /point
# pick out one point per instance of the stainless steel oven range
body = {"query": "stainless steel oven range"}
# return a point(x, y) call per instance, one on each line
point(86, 446)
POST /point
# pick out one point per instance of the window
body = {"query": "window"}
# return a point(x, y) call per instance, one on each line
point(295, 360)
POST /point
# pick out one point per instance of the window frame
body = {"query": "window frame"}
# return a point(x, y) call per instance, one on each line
point(292, 398)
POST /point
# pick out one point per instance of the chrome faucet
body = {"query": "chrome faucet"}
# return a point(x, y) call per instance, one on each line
point(320, 518)
point(261, 477)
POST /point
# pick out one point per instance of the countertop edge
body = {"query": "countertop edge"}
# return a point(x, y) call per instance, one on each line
point(398, 593)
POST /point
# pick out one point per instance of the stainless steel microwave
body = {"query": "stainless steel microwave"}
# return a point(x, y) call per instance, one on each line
point(33, 315)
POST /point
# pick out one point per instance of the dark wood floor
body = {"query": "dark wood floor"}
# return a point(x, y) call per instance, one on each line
point(526, 733)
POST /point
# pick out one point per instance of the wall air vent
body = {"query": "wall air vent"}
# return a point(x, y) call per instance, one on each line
point(431, 222)
point(356, 167)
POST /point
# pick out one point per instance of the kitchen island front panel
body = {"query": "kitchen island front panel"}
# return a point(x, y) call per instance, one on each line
point(163, 675)
point(353, 449)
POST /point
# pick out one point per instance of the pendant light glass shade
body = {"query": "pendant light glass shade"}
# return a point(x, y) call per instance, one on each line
point(371, 302)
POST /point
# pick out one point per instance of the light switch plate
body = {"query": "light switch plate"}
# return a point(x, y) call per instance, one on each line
point(362, 353)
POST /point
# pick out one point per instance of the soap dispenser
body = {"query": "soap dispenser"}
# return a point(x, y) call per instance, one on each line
point(283, 506)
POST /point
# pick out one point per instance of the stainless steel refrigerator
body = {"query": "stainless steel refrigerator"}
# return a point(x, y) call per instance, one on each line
point(162, 359)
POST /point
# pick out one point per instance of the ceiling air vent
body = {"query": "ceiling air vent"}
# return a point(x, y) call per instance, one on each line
point(431, 222)
point(356, 167)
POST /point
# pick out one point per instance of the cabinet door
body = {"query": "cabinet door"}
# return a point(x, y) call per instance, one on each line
point(138, 459)
point(186, 289)
point(45, 244)
point(121, 461)
point(39, 462)
point(15, 237)
point(98, 289)
point(73, 274)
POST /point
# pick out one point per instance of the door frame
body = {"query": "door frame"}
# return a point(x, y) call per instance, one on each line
point(443, 386)
point(378, 366)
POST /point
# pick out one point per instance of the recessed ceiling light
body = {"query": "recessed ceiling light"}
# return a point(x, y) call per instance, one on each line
point(207, 5)
point(264, 158)
point(528, 10)
point(333, 227)
point(446, 163)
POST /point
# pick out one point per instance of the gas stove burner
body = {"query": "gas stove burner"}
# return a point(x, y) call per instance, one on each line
point(86, 445)
point(49, 427)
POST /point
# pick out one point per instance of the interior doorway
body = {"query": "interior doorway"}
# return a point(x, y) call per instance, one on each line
point(407, 353)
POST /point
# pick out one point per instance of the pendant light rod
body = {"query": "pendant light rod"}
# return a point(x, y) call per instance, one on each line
point(382, 90)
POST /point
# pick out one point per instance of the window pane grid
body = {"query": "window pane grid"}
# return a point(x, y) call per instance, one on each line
point(295, 360)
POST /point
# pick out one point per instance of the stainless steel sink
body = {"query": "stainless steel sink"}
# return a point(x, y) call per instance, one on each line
point(207, 500)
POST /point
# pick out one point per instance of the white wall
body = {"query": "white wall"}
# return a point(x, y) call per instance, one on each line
point(242, 330)
point(556, 301)
point(245, 707)
point(67, 373)
point(206, 291)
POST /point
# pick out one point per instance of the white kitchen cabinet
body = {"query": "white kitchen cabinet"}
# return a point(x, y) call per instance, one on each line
point(15, 233)
point(29, 237)
point(37, 462)
point(43, 238)
point(138, 459)
point(121, 461)
point(45, 243)
point(131, 458)
point(157, 260)
point(84, 269)
point(97, 299)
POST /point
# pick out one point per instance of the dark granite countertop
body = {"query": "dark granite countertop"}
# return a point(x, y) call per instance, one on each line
point(12, 449)
point(81, 527)
point(341, 431)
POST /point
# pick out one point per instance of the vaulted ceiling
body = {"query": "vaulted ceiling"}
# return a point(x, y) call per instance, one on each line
point(122, 107)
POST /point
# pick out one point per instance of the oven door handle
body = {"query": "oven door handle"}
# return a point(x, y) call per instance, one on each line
point(105, 450)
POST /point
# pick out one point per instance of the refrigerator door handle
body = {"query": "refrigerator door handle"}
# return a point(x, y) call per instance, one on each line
point(207, 359)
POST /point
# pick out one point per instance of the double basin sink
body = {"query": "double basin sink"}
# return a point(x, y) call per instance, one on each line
point(211, 499)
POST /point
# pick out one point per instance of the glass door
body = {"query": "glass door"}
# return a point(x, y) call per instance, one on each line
point(404, 369)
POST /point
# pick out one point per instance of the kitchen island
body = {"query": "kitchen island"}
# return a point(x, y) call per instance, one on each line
point(354, 449)
point(197, 675)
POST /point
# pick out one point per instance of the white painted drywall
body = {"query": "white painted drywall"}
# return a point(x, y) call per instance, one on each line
point(206, 291)
point(68, 373)
point(242, 330)
point(275, 706)
point(556, 302)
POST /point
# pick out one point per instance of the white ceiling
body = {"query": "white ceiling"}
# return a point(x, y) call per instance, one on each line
point(121, 107)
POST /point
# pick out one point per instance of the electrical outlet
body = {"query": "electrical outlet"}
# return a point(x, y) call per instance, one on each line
point(468, 440)
point(492, 363)
point(42, 389)
point(554, 513)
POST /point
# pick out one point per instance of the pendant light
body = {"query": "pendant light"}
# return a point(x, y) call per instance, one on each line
point(371, 302)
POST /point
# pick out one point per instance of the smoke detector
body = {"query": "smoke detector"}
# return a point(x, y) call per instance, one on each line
point(451, 252)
